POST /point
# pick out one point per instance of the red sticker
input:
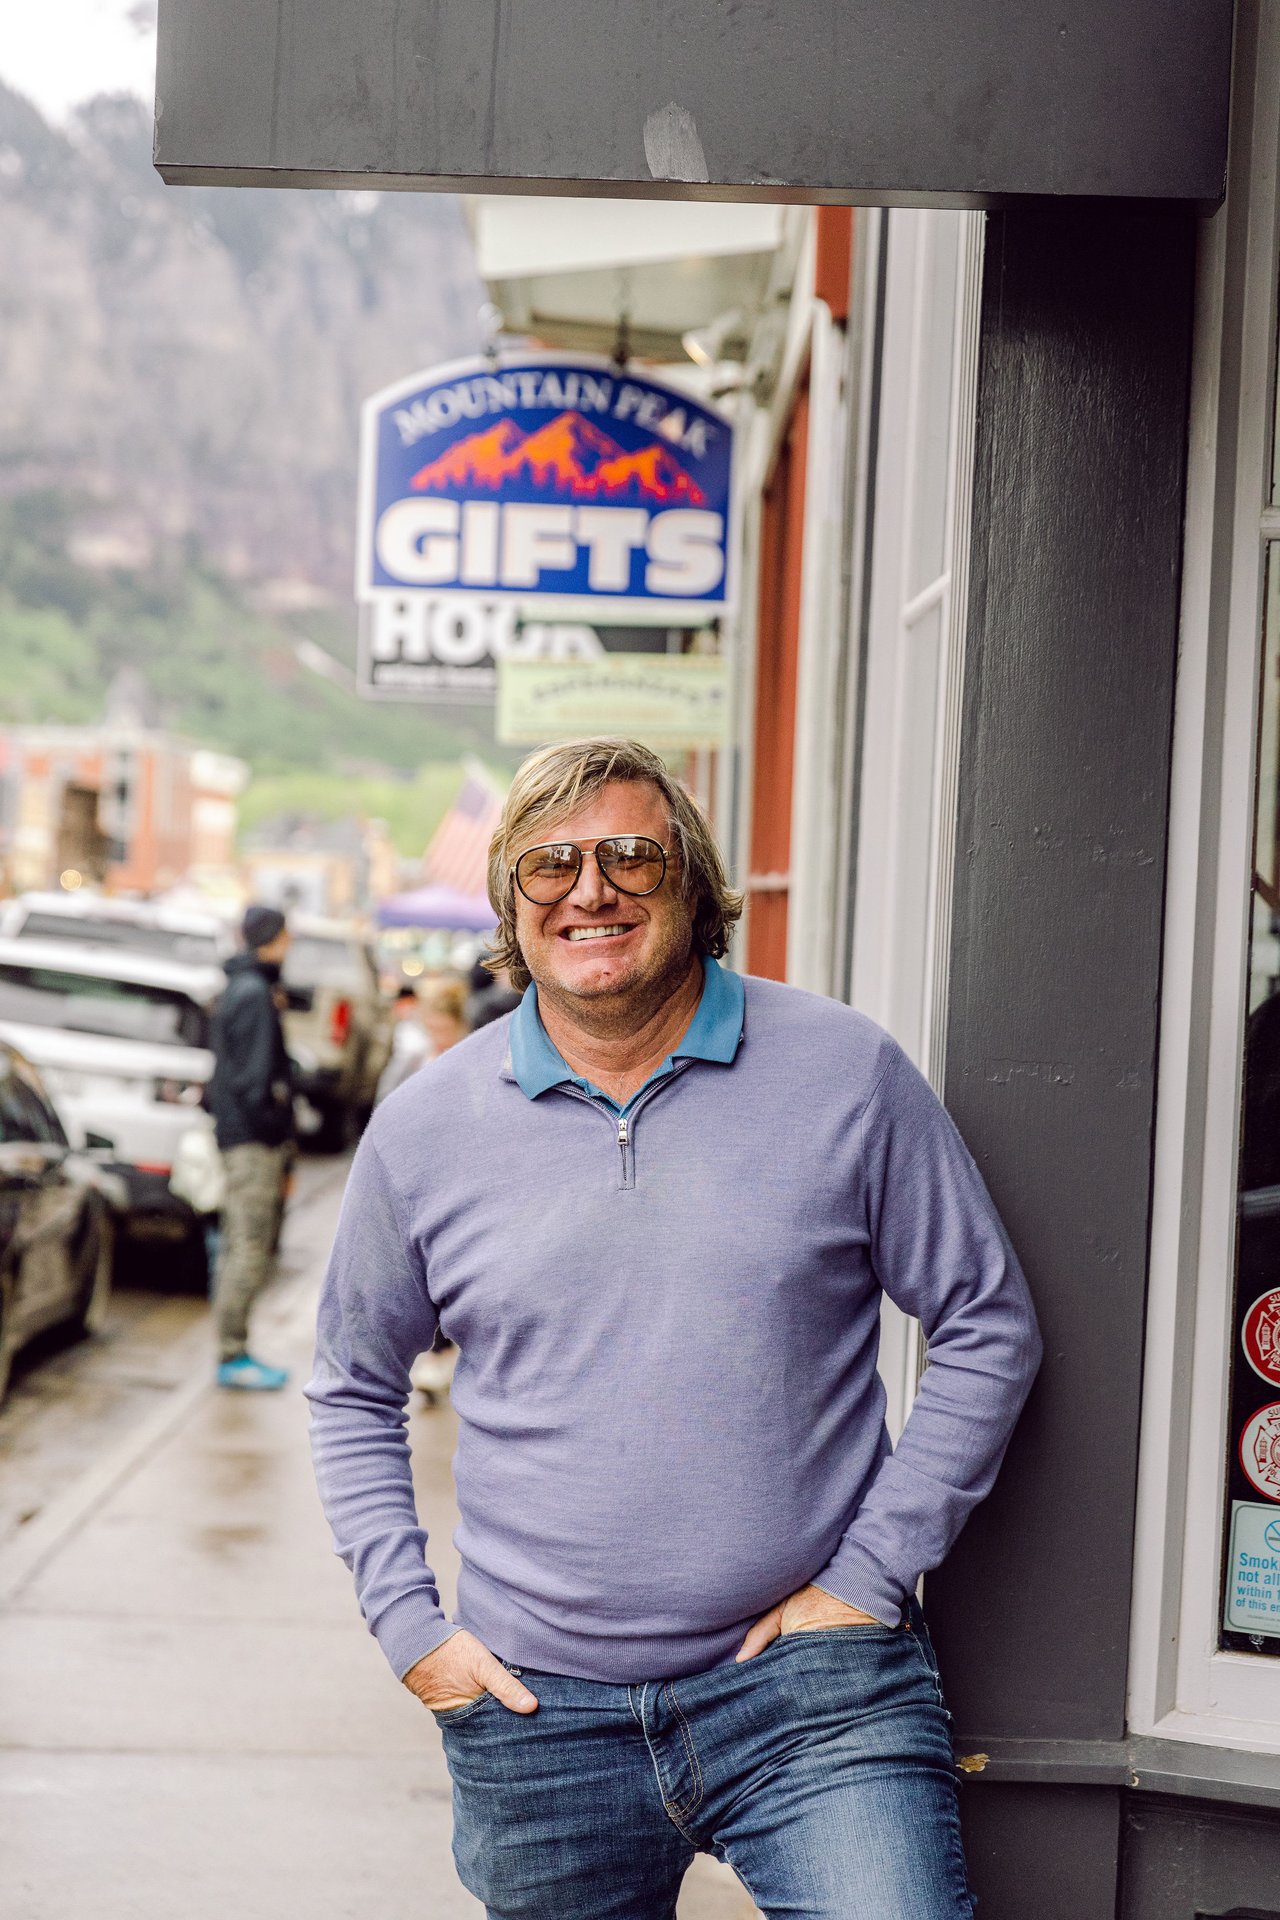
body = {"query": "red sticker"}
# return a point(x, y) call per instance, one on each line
point(1260, 1336)
point(1260, 1450)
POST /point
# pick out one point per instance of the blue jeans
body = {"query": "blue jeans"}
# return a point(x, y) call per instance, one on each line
point(822, 1771)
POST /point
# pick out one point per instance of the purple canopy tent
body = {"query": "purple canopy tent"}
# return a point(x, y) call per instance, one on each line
point(441, 907)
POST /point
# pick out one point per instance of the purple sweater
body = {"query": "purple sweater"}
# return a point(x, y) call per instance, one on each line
point(669, 1411)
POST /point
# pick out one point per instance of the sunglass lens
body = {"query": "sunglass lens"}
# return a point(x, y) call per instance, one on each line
point(547, 874)
point(633, 865)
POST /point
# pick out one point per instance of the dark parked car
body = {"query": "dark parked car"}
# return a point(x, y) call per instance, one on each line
point(56, 1205)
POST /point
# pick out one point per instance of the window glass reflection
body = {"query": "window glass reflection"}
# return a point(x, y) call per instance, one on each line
point(1251, 1546)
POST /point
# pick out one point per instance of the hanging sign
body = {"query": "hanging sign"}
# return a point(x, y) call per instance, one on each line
point(670, 700)
point(416, 647)
point(547, 478)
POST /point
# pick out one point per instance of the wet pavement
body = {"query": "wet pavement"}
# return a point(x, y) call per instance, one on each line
point(193, 1722)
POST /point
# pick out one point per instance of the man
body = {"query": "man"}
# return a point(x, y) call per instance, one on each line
point(251, 1098)
point(655, 1209)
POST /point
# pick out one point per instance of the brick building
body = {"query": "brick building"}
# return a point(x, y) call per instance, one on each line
point(130, 808)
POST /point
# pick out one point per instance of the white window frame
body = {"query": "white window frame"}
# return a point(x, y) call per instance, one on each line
point(909, 776)
point(1180, 1685)
point(815, 782)
point(914, 669)
point(903, 881)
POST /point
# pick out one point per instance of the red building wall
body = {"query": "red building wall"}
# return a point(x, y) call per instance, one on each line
point(777, 653)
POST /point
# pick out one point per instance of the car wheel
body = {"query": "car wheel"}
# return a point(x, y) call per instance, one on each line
point(90, 1316)
point(192, 1270)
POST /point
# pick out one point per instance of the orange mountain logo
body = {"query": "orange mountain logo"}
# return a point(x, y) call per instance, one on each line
point(570, 456)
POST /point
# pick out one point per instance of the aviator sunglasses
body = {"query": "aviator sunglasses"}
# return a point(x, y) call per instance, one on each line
point(628, 861)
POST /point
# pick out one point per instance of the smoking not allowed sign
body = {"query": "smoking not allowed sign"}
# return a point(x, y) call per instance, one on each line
point(1253, 1571)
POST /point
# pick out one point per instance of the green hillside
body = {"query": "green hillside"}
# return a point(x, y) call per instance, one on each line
point(412, 807)
point(214, 668)
point(181, 371)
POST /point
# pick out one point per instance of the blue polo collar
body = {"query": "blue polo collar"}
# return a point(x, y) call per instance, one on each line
point(713, 1034)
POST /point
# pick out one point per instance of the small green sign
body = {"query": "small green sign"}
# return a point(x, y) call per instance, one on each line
point(667, 700)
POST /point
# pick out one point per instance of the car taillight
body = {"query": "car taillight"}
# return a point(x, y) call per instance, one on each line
point(340, 1022)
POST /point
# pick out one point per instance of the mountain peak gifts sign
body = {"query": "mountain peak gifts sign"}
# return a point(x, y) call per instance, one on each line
point(551, 477)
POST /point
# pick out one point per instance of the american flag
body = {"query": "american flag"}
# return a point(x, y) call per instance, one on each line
point(457, 852)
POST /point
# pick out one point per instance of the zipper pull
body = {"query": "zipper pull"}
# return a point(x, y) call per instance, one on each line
point(622, 1132)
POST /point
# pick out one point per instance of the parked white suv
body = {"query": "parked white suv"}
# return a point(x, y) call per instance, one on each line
point(121, 1043)
point(337, 1027)
point(141, 926)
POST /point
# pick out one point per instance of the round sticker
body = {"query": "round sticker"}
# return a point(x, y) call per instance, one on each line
point(1260, 1336)
point(1260, 1450)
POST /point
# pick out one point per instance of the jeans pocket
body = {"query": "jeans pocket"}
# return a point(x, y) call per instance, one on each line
point(450, 1716)
point(855, 1630)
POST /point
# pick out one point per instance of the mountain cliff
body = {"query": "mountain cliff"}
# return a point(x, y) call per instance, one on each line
point(181, 371)
point(190, 361)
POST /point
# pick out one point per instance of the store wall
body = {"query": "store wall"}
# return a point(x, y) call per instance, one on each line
point(1188, 1860)
point(1055, 950)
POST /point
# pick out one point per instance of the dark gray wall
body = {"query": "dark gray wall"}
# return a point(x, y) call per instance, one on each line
point(1183, 1860)
point(1042, 1856)
point(1082, 426)
point(861, 100)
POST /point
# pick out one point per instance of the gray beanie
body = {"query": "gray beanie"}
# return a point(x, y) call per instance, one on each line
point(260, 926)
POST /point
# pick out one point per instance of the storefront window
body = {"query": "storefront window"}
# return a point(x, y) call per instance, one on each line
point(1251, 1601)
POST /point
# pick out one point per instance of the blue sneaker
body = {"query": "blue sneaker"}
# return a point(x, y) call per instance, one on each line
point(250, 1375)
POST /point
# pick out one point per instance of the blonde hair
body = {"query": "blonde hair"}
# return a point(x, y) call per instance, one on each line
point(554, 783)
point(444, 993)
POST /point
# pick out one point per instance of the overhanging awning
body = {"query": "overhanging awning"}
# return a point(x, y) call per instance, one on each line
point(912, 102)
point(438, 907)
point(571, 272)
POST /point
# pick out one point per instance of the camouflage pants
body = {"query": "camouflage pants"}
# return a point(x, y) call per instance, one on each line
point(251, 1211)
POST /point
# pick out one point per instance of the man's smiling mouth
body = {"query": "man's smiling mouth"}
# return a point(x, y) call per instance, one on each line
point(594, 933)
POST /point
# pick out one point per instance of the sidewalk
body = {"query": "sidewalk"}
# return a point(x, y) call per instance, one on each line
point(194, 1724)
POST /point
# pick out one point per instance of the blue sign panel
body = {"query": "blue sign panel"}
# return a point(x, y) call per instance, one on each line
point(1253, 1571)
point(547, 478)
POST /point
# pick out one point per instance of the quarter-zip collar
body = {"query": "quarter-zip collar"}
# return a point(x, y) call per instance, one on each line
point(714, 1033)
point(623, 1119)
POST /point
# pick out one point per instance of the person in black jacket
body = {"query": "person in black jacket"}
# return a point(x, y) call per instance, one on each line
point(251, 1099)
point(489, 997)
